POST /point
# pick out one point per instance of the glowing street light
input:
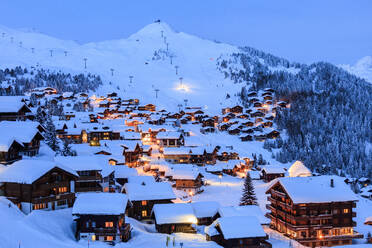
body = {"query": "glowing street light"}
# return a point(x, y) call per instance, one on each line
point(191, 194)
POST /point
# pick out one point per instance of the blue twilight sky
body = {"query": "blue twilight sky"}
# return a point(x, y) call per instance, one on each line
point(338, 31)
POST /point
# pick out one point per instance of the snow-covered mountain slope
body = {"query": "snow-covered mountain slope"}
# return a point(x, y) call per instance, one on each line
point(362, 68)
point(143, 55)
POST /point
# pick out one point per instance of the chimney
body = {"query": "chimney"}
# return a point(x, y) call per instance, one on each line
point(332, 183)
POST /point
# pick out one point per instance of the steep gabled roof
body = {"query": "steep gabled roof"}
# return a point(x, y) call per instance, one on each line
point(27, 171)
point(315, 189)
point(100, 204)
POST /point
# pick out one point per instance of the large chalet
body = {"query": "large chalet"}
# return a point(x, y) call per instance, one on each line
point(315, 211)
point(101, 217)
point(37, 184)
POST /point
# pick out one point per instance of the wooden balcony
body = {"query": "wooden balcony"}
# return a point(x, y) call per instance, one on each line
point(354, 235)
point(88, 189)
point(64, 196)
point(89, 179)
point(277, 193)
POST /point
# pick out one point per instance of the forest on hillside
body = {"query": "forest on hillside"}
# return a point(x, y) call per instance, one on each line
point(329, 123)
point(18, 80)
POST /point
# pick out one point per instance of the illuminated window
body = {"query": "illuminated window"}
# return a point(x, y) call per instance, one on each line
point(62, 190)
point(144, 203)
point(346, 211)
point(109, 238)
point(144, 213)
point(109, 224)
point(93, 237)
point(39, 206)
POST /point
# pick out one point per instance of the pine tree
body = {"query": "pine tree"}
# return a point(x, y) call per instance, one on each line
point(51, 135)
point(39, 117)
point(248, 197)
point(66, 150)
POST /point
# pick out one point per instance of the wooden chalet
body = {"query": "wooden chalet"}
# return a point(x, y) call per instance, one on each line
point(13, 108)
point(132, 151)
point(102, 133)
point(143, 196)
point(246, 137)
point(237, 231)
point(188, 180)
point(101, 217)
point(37, 184)
point(315, 211)
point(170, 139)
point(270, 172)
point(236, 109)
point(205, 211)
point(10, 151)
point(173, 218)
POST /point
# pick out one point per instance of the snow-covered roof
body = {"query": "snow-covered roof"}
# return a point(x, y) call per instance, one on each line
point(273, 169)
point(27, 171)
point(368, 220)
point(205, 209)
point(131, 136)
point(20, 131)
point(124, 171)
point(149, 191)
point(184, 174)
point(11, 104)
point(100, 204)
point(175, 151)
point(235, 227)
point(174, 213)
point(141, 179)
point(316, 189)
point(168, 135)
point(298, 169)
point(248, 210)
point(80, 163)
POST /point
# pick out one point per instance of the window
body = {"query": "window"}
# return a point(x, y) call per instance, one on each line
point(109, 224)
point(94, 237)
point(335, 211)
point(346, 210)
point(144, 213)
point(39, 206)
point(61, 203)
point(144, 203)
point(109, 238)
point(93, 224)
point(62, 190)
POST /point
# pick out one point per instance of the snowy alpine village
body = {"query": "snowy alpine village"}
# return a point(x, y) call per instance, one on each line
point(164, 139)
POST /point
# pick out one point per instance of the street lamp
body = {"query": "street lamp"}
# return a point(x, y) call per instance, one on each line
point(191, 194)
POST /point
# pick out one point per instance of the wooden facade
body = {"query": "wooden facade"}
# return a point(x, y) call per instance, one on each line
point(257, 242)
point(141, 210)
point(108, 228)
point(312, 224)
point(89, 181)
point(53, 190)
point(174, 228)
point(20, 115)
point(12, 154)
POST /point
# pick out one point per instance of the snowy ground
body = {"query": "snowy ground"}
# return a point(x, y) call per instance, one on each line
point(202, 85)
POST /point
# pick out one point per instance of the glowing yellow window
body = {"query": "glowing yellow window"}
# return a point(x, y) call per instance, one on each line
point(346, 211)
point(109, 224)
point(109, 238)
point(144, 213)
point(144, 203)
point(93, 237)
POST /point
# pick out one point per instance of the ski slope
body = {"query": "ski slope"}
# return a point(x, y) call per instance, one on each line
point(362, 68)
point(202, 85)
